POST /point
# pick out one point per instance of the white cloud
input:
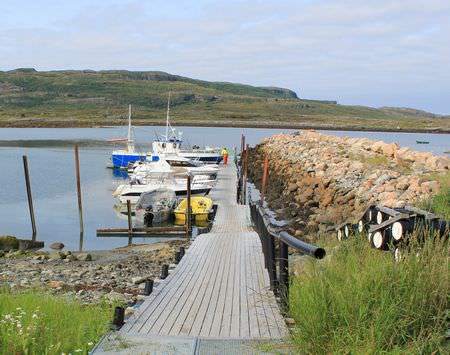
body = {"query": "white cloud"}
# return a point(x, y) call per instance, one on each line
point(361, 52)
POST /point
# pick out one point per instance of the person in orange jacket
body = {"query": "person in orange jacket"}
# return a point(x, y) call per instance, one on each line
point(225, 155)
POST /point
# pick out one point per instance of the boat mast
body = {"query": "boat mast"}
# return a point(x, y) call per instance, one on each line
point(167, 117)
point(130, 143)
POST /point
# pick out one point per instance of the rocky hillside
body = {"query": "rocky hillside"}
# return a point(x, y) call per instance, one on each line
point(318, 180)
point(88, 98)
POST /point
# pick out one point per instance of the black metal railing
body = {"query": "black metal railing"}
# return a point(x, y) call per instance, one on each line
point(275, 241)
point(275, 244)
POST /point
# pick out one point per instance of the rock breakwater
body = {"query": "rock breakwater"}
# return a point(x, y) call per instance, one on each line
point(317, 180)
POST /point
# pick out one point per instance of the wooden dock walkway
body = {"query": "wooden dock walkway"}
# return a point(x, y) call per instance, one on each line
point(220, 288)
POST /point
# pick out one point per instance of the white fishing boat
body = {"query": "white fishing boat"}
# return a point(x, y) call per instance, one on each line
point(175, 165)
point(170, 145)
point(155, 206)
point(121, 158)
point(133, 190)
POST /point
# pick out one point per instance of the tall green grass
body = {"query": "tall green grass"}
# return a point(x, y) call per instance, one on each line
point(360, 301)
point(440, 202)
point(33, 322)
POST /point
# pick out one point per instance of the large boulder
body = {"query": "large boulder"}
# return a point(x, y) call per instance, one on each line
point(57, 246)
point(437, 163)
point(8, 242)
point(389, 149)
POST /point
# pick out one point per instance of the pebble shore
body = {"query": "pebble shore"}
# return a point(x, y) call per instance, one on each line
point(116, 275)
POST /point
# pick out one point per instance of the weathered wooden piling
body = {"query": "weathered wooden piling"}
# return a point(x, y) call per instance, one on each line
point(241, 154)
point(29, 195)
point(188, 207)
point(130, 223)
point(80, 205)
point(245, 175)
point(264, 179)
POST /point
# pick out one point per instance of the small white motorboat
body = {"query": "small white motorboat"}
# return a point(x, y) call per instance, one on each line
point(175, 165)
point(155, 206)
point(133, 190)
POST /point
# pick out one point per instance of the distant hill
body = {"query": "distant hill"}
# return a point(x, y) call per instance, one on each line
point(102, 97)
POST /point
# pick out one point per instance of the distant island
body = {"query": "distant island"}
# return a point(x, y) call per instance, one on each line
point(85, 98)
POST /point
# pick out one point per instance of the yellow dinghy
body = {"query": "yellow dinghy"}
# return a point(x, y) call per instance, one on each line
point(201, 207)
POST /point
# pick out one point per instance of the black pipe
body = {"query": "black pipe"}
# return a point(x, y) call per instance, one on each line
point(177, 257)
point(148, 287)
point(182, 252)
point(309, 249)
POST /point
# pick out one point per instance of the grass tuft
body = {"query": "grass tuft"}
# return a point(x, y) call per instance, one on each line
point(361, 301)
point(34, 322)
point(440, 202)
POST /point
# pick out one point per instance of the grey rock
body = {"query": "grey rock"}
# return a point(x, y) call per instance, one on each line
point(57, 246)
point(56, 255)
point(84, 257)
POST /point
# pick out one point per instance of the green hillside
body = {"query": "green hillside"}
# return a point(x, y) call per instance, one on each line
point(29, 97)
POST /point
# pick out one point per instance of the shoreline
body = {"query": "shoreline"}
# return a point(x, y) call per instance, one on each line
point(81, 123)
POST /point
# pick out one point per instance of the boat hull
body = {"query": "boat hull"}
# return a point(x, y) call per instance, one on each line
point(134, 196)
point(209, 158)
point(149, 218)
point(121, 160)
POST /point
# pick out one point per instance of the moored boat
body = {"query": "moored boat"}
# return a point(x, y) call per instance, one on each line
point(133, 190)
point(121, 158)
point(155, 206)
point(175, 165)
point(201, 207)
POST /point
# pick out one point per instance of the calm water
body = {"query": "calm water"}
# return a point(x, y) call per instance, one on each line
point(52, 170)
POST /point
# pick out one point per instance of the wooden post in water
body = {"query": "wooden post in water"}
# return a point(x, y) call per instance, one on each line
point(264, 179)
point(130, 224)
point(80, 205)
point(242, 149)
point(188, 205)
point(30, 197)
point(245, 174)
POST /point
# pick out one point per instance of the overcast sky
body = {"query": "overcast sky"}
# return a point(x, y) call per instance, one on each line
point(376, 53)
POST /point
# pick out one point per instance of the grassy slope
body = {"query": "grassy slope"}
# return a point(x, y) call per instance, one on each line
point(34, 322)
point(104, 95)
point(360, 301)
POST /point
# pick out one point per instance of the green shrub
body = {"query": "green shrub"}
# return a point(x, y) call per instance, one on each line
point(34, 322)
point(360, 301)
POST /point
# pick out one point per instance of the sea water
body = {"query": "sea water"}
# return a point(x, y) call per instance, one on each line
point(51, 162)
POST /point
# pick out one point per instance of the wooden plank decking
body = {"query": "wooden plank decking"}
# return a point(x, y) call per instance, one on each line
point(220, 289)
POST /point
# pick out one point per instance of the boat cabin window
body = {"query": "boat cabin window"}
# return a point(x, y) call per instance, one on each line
point(180, 163)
